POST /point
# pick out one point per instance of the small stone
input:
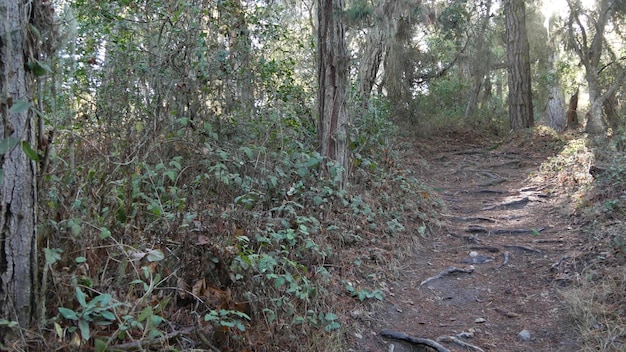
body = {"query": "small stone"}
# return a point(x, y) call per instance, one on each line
point(465, 334)
point(524, 335)
point(479, 320)
point(358, 336)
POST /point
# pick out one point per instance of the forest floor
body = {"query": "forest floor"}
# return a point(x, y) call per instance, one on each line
point(510, 233)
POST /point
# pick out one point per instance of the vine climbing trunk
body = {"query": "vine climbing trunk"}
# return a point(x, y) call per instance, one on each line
point(18, 246)
point(332, 84)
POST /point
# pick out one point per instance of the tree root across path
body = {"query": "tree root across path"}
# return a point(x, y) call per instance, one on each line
point(416, 340)
point(427, 342)
point(448, 271)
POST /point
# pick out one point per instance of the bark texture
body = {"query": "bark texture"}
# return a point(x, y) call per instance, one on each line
point(332, 83)
point(518, 58)
point(554, 114)
point(18, 246)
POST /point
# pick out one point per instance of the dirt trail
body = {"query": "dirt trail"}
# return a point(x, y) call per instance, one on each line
point(511, 233)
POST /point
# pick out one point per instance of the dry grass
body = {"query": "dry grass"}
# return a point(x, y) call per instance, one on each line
point(597, 305)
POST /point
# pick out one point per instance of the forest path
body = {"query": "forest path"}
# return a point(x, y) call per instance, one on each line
point(509, 231)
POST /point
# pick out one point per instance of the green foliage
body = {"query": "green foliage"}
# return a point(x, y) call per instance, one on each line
point(363, 294)
point(227, 318)
point(98, 311)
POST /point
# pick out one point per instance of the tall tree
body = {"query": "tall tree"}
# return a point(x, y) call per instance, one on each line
point(589, 45)
point(518, 58)
point(332, 81)
point(18, 190)
point(481, 60)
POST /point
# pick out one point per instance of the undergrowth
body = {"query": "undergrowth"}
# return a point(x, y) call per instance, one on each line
point(596, 298)
point(237, 240)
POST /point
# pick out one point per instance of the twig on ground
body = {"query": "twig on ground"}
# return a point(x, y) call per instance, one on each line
point(448, 271)
point(416, 340)
point(459, 342)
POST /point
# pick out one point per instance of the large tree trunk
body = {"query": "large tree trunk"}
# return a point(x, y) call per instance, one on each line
point(518, 57)
point(554, 114)
point(332, 83)
point(18, 246)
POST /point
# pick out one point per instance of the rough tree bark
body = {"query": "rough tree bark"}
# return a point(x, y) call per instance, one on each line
point(18, 246)
point(332, 81)
point(572, 114)
point(518, 57)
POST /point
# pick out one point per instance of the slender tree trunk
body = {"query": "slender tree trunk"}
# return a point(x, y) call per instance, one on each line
point(332, 83)
point(18, 216)
point(518, 57)
point(572, 111)
point(374, 50)
point(481, 62)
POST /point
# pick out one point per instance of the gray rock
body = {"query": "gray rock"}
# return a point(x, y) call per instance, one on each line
point(524, 335)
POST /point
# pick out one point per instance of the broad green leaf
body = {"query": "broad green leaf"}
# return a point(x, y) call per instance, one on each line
point(104, 233)
point(108, 315)
point(145, 314)
point(83, 325)
point(39, 68)
point(8, 144)
point(100, 345)
point(171, 174)
point(80, 297)
point(20, 106)
point(29, 151)
point(8, 324)
point(68, 313)
point(52, 255)
point(332, 326)
point(80, 260)
point(331, 316)
point(155, 255)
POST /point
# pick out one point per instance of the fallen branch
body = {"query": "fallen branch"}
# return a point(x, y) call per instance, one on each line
point(416, 340)
point(448, 271)
point(459, 342)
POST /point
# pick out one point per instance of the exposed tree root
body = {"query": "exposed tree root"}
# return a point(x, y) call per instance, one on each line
point(507, 255)
point(448, 271)
point(141, 345)
point(524, 248)
point(459, 342)
point(516, 204)
point(416, 340)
